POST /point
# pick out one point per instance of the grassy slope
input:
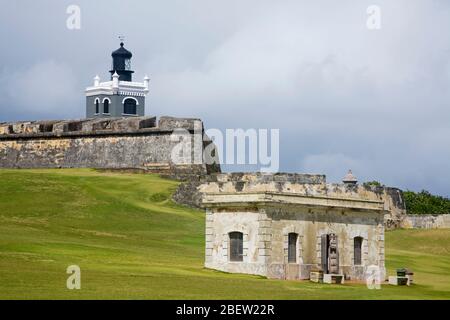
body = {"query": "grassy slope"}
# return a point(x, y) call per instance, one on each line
point(132, 242)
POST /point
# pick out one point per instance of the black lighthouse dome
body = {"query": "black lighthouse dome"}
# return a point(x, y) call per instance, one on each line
point(122, 63)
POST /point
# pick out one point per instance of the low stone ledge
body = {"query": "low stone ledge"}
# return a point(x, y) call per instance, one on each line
point(83, 128)
point(425, 221)
point(93, 126)
point(76, 134)
point(133, 124)
point(180, 123)
point(297, 178)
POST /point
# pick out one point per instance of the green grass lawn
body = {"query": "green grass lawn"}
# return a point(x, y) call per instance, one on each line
point(132, 242)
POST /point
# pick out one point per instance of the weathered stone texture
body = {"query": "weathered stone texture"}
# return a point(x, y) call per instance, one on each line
point(171, 123)
point(190, 192)
point(187, 193)
point(94, 152)
point(425, 221)
point(110, 143)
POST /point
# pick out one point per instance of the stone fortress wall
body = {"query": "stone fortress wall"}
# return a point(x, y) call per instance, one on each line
point(425, 221)
point(106, 143)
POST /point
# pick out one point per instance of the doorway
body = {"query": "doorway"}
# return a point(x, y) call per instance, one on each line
point(325, 244)
point(329, 253)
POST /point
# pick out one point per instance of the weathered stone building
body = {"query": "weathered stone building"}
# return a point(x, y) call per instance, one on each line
point(282, 226)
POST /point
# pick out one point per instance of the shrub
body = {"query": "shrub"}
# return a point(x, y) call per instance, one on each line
point(425, 203)
point(373, 184)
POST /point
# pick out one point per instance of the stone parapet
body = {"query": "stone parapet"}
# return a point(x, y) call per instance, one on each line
point(425, 221)
point(96, 126)
point(230, 200)
point(106, 143)
point(307, 185)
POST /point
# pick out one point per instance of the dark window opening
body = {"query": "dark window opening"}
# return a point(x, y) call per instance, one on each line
point(129, 106)
point(292, 247)
point(106, 106)
point(358, 248)
point(97, 106)
point(236, 246)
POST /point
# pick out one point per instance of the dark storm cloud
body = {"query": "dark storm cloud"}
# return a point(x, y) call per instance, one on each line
point(342, 96)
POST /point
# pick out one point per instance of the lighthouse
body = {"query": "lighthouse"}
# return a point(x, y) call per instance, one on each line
point(120, 96)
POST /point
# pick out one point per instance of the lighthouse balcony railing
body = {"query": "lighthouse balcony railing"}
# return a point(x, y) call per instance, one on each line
point(131, 84)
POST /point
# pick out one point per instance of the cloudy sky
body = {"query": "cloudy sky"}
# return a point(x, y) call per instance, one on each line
point(343, 95)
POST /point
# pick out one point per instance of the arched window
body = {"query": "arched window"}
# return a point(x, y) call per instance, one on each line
point(129, 106)
point(357, 242)
point(97, 106)
point(292, 247)
point(106, 106)
point(236, 246)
